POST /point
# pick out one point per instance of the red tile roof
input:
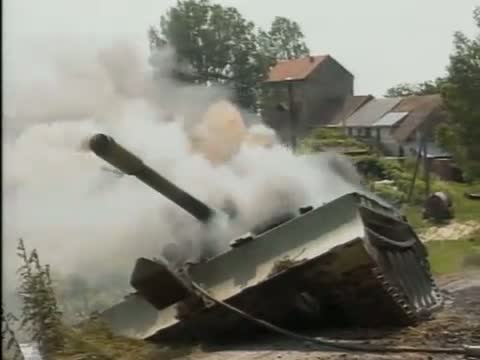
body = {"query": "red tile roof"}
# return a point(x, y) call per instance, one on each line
point(296, 69)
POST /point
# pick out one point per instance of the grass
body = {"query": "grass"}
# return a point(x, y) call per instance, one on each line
point(464, 209)
point(450, 256)
point(454, 256)
point(97, 342)
point(414, 216)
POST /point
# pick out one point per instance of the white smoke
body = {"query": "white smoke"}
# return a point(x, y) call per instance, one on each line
point(83, 219)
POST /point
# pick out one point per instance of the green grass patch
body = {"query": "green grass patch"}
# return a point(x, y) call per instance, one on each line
point(464, 209)
point(449, 256)
point(452, 256)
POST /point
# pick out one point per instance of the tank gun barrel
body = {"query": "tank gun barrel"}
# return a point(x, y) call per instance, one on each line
point(116, 155)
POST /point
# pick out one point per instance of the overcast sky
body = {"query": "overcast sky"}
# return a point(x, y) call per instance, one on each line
point(382, 42)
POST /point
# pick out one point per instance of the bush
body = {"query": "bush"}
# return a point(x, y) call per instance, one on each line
point(10, 345)
point(40, 315)
point(327, 133)
point(400, 172)
point(91, 340)
point(370, 167)
point(321, 139)
point(390, 193)
point(375, 168)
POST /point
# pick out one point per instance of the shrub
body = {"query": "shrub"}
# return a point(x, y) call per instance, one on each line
point(91, 340)
point(10, 345)
point(389, 192)
point(370, 167)
point(40, 315)
point(321, 139)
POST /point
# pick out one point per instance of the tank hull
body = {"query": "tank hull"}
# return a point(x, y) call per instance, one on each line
point(350, 262)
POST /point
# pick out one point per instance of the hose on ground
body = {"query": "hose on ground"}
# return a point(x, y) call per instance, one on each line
point(467, 350)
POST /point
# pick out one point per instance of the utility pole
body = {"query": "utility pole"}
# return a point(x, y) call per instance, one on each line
point(426, 167)
point(293, 119)
point(421, 151)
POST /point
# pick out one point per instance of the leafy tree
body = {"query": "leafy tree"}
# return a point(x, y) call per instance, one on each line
point(220, 46)
point(155, 40)
point(424, 88)
point(284, 41)
point(461, 133)
point(216, 42)
point(460, 90)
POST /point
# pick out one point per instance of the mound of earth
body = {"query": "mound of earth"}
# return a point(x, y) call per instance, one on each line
point(458, 323)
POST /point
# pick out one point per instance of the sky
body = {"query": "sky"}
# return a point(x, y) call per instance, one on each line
point(382, 42)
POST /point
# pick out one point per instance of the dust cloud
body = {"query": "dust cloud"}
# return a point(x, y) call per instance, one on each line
point(84, 219)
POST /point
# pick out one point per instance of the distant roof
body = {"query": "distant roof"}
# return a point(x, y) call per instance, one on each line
point(343, 108)
point(390, 119)
point(371, 112)
point(296, 69)
point(419, 109)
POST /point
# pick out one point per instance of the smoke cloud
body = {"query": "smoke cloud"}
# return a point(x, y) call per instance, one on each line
point(84, 219)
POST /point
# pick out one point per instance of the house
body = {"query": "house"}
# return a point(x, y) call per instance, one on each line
point(397, 125)
point(360, 122)
point(424, 113)
point(299, 90)
point(316, 91)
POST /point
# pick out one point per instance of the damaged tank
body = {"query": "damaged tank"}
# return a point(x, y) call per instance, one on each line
point(353, 261)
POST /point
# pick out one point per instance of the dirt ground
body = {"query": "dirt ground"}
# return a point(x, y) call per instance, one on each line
point(452, 231)
point(458, 323)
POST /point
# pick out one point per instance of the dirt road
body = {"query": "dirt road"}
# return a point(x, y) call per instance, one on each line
point(458, 323)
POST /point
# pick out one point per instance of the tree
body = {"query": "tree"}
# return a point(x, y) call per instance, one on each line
point(155, 40)
point(216, 42)
point(220, 46)
point(424, 88)
point(461, 93)
point(284, 40)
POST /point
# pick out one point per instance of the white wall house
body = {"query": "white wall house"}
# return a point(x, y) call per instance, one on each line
point(397, 125)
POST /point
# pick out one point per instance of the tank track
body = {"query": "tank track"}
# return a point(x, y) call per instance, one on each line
point(408, 282)
point(401, 266)
point(372, 297)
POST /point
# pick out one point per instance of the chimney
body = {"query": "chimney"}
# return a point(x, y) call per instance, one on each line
point(311, 58)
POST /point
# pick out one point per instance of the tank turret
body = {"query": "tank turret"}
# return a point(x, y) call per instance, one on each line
point(116, 155)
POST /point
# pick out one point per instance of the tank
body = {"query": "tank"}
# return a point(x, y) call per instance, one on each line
point(353, 261)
